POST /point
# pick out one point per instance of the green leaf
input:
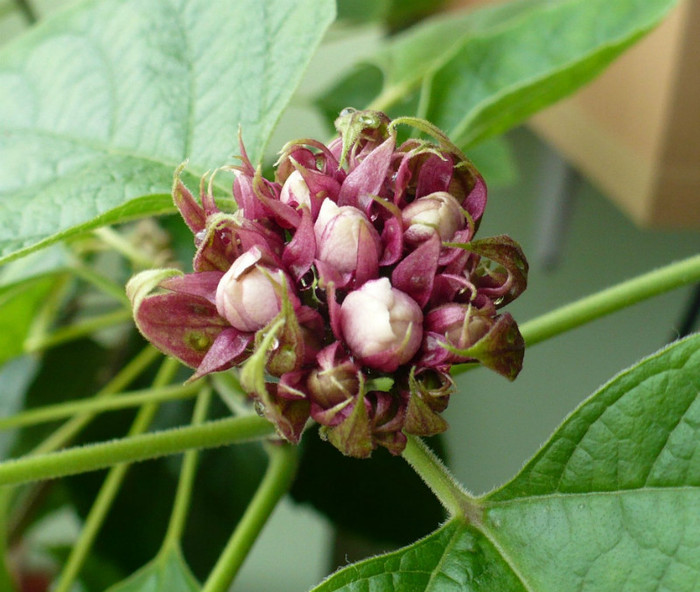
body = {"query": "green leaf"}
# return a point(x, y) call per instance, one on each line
point(101, 103)
point(15, 377)
point(18, 307)
point(455, 558)
point(483, 72)
point(24, 289)
point(168, 572)
point(610, 503)
point(394, 14)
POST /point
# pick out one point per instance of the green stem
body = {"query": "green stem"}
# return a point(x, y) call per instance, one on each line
point(109, 489)
point(600, 304)
point(5, 499)
point(102, 283)
point(277, 480)
point(48, 312)
point(123, 401)
point(436, 476)
point(61, 436)
point(391, 96)
point(72, 332)
point(105, 454)
point(115, 240)
point(187, 475)
point(611, 300)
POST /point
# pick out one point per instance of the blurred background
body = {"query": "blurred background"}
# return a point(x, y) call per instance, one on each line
point(580, 232)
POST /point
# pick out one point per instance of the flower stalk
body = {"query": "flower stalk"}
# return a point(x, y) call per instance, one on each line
point(612, 299)
point(455, 499)
point(281, 469)
point(132, 449)
point(109, 490)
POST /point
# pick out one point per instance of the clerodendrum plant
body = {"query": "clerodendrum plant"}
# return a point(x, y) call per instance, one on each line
point(337, 295)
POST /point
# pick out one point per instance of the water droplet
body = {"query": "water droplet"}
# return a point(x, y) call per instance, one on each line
point(368, 120)
point(347, 111)
point(259, 408)
point(199, 237)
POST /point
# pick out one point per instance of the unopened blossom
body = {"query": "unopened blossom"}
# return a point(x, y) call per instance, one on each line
point(382, 326)
point(295, 191)
point(438, 213)
point(345, 288)
point(347, 242)
point(249, 295)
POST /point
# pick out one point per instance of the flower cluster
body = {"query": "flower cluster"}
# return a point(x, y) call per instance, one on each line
point(346, 288)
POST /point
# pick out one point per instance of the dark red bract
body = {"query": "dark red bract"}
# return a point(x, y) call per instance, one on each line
point(346, 288)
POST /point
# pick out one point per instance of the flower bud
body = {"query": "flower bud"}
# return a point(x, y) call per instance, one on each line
point(438, 213)
point(247, 295)
point(346, 240)
point(460, 324)
point(295, 192)
point(382, 325)
point(334, 381)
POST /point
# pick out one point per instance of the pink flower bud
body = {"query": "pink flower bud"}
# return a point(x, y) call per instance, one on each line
point(295, 192)
point(247, 295)
point(346, 240)
point(334, 380)
point(435, 213)
point(382, 325)
point(460, 324)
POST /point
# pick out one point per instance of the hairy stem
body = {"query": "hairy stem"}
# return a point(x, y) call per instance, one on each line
point(187, 475)
point(612, 299)
point(277, 480)
point(72, 427)
point(98, 405)
point(600, 304)
point(116, 241)
point(5, 499)
point(105, 454)
point(77, 330)
point(436, 476)
point(69, 430)
point(110, 488)
point(102, 283)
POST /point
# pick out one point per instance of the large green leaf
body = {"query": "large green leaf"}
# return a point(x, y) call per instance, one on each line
point(455, 558)
point(101, 103)
point(611, 503)
point(24, 289)
point(483, 72)
point(168, 572)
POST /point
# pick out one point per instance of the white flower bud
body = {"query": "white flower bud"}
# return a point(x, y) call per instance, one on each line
point(295, 192)
point(247, 294)
point(438, 212)
point(382, 325)
point(345, 236)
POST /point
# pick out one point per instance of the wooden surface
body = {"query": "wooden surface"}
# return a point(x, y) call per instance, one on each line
point(634, 132)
